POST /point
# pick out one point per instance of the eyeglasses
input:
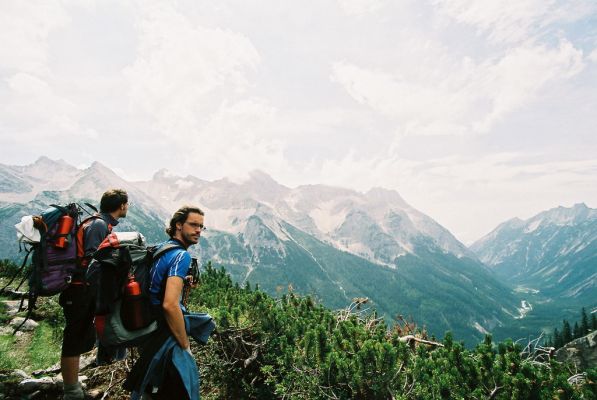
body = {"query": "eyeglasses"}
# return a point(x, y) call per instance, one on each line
point(195, 225)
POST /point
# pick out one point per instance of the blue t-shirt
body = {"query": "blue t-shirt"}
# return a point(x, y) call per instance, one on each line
point(175, 262)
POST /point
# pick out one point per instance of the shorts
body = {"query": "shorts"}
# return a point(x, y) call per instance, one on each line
point(79, 332)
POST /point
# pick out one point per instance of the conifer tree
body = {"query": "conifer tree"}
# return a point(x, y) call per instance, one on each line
point(566, 332)
point(584, 324)
point(558, 341)
point(576, 331)
point(594, 321)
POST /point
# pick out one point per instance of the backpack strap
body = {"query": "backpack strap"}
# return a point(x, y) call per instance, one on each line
point(157, 255)
point(18, 272)
point(80, 237)
point(164, 249)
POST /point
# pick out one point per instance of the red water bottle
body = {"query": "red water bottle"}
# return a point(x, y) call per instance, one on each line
point(100, 325)
point(134, 316)
point(65, 224)
point(132, 288)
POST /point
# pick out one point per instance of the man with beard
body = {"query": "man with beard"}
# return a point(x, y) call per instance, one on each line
point(169, 275)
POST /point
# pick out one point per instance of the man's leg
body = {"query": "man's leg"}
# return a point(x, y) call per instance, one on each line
point(70, 377)
point(78, 337)
point(70, 369)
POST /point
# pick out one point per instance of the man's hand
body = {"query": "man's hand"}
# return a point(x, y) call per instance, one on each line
point(191, 281)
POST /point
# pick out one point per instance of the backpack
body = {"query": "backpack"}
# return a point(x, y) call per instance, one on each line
point(54, 240)
point(120, 276)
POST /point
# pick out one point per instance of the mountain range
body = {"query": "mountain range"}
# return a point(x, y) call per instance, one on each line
point(332, 243)
point(553, 253)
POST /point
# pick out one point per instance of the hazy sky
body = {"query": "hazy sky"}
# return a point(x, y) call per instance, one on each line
point(475, 111)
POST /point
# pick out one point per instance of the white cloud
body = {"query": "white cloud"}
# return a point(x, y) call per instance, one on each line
point(465, 97)
point(24, 30)
point(238, 138)
point(37, 112)
point(471, 196)
point(360, 7)
point(183, 71)
point(511, 21)
point(222, 89)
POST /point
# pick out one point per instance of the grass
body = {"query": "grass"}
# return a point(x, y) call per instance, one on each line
point(7, 353)
point(30, 351)
point(33, 350)
point(44, 349)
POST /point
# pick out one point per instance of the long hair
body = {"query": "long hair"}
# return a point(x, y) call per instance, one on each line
point(181, 216)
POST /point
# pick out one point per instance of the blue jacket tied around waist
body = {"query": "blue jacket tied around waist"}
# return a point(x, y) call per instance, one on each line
point(199, 326)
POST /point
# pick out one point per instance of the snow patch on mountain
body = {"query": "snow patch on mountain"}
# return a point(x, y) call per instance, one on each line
point(327, 216)
point(532, 226)
point(184, 184)
point(480, 328)
point(525, 308)
point(228, 220)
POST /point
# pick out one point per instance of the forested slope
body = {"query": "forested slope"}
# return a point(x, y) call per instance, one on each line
point(294, 348)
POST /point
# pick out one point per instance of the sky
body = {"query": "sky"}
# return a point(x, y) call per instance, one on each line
point(475, 111)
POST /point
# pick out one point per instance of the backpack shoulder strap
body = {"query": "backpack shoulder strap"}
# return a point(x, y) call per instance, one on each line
point(164, 249)
point(80, 234)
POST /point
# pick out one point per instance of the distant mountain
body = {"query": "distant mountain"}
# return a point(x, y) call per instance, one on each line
point(340, 244)
point(554, 252)
point(377, 225)
point(48, 182)
point(333, 243)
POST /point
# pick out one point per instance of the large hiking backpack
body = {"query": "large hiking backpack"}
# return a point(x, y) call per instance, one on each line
point(119, 275)
point(54, 241)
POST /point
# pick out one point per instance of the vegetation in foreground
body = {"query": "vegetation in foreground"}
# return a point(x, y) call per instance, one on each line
point(293, 348)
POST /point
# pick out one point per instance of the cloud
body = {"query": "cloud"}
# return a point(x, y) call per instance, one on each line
point(184, 71)
point(238, 138)
point(24, 30)
point(444, 96)
point(360, 7)
point(470, 195)
point(514, 21)
point(36, 111)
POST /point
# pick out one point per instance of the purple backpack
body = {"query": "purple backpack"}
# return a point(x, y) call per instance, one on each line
point(54, 258)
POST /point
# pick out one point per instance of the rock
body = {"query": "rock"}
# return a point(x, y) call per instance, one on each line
point(52, 370)
point(581, 352)
point(95, 393)
point(6, 330)
point(86, 361)
point(12, 306)
point(20, 374)
point(28, 326)
point(32, 385)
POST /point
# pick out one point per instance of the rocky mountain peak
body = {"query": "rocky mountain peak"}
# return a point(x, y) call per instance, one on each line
point(390, 197)
point(163, 175)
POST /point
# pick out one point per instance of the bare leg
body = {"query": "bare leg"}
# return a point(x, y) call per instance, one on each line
point(70, 369)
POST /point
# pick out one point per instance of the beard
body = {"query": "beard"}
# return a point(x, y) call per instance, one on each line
point(190, 239)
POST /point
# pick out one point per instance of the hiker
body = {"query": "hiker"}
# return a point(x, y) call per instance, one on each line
point(170, 343)
point(77, 302)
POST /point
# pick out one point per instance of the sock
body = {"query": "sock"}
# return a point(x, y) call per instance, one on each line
point(73, 391)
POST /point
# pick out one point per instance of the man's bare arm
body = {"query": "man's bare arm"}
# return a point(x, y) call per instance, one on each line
point(172, 311)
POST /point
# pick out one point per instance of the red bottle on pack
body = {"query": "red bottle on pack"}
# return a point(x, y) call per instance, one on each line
point(65, 225)
point(133, 315)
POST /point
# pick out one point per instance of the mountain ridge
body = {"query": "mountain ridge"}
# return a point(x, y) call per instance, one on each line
point(334, 243)
point(551, 252)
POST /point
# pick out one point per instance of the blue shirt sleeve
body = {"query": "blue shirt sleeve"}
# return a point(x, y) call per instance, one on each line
point(180, 265)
